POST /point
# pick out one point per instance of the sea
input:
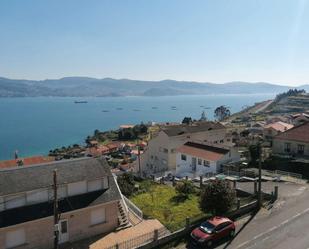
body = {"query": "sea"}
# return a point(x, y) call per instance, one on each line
point(33, 126)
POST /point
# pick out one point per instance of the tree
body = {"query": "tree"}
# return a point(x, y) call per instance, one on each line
point(126, 183)
point(203, 116)
point(187, 120)
point(184, 188)
point(222, 112)
point(217, 197)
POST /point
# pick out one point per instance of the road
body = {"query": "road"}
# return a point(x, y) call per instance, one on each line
point(285, 225)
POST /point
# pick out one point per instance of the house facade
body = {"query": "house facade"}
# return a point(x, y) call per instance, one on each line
point(88, 203)
point(294, 142)
point(160, 154)
point(197, 159)
point(273, 129)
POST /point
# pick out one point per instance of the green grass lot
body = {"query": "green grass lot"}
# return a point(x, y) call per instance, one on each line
point(161, 202)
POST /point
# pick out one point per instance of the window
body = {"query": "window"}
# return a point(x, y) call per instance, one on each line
point(199, 161)
point(216, 142)
point(15, 238)
point(14, 201)
point(37, 196)
point(183, 157)
point(77, 188)
point(287, 147)
point(228, 139)
point(300, 149)
point(165, 150)
point(163, 161)
point(97, 216)
point(94, 185)
point(206, 163)
point(221, 141)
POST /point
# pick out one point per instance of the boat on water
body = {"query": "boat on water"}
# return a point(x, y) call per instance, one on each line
point(80, 102)
point(105, 111)
point(207, 108)
point(119, 108)
point(136, 110)
point(154, 107)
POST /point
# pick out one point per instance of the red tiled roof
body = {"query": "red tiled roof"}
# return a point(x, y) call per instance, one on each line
point(279, 126)
point(26, 161)
point(298, 133)
point(206, 152)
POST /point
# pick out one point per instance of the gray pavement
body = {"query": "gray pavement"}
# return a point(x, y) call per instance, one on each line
point(284, 226)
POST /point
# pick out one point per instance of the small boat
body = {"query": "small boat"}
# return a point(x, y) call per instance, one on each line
point(207, 108)
point(154, 107)
point(136, 110)
point(201, 106)
point(105, 111)
point(173, 107)
point(119, 108)
point(81, 102)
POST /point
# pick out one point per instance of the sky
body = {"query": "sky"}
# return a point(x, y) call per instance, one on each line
point(200, 40)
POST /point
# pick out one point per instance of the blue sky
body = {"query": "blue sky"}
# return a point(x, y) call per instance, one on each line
point(207, 40)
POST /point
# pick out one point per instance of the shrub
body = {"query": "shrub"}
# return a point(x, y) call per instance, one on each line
point(184, 188)
point(126, 183)
point(217, 197)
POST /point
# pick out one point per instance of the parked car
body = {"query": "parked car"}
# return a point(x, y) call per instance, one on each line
point(213, 230)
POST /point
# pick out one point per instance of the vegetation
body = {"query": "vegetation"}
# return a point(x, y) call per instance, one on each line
point(187, 120)
point(222, 112)
point(162, 202)
point(132, 133)
point(203, 116)
point(126, 183)
point(184, 188)
point(217, 197)
point(289, 93)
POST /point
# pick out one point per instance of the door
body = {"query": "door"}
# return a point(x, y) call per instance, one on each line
point(193, 163)
point(63, 231)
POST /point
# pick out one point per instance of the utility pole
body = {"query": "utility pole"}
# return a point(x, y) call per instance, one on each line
point(260, 176)
point(139, 160)
point(56, 228)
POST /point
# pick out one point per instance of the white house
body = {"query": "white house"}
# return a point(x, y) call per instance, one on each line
point(160, 154)
point(199, 159)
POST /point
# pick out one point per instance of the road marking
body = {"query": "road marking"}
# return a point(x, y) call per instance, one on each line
point(272, 229)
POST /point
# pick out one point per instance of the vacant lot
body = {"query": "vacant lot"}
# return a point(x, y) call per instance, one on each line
point(161, 202)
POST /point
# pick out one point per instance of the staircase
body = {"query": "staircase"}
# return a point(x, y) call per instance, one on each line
point(123, 219)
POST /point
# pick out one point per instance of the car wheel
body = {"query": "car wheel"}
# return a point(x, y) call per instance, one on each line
point(209, 243)
point(232, 233)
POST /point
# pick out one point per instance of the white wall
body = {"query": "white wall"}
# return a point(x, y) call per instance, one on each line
point(186, 166)
point(156, 159)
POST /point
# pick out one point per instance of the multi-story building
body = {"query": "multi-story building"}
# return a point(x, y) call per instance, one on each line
point(196, 159)
point(88, 203)
point(160, 154)
point(293, 142)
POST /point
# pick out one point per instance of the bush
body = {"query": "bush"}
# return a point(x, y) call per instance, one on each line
point(217, 197)
point(126, 183)
point(184, 188)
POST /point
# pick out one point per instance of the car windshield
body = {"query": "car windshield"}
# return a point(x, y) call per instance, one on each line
point(207, 227)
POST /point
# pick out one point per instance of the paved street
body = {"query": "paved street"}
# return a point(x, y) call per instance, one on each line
point(286, 225)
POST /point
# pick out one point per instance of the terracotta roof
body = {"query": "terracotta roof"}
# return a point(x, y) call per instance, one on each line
point(206, 152)
point(177, 130)
point(298, 133)
point(279, 126)
point(126, 126)
point(26, 161)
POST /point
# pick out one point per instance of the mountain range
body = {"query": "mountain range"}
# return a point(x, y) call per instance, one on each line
point(90, 87)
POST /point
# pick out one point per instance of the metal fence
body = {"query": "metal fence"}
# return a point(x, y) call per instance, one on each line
point(140, 240)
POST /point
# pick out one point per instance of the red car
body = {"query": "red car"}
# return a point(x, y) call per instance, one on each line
point(212, 230)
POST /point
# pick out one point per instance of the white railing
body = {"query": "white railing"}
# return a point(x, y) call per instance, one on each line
point(133, 207)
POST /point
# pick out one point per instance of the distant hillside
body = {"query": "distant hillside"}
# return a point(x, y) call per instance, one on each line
point(289, 103)
point(86, 87)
